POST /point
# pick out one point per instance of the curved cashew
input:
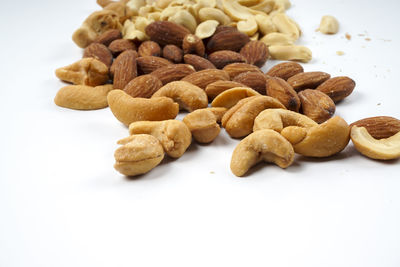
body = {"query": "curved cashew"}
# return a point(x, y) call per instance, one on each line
point(277, 38)
point(130, 32)
point(230, 97)
point(323, 140)
point(184, 18)
point(264, 145)
point(209, 13)
point(128, 109)
point(203, 125)
point(138, 155)
point(248, 26)
point(384, 149)
point(189, 96)
point(285, 25)
point(174, 135)
point(206, 28)
point(290, 52)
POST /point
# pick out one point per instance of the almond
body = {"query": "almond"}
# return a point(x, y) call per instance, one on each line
point(148, 64)
point(199, 63)
point(255, 52)
point(120, 45)
point(225, 28)
point(112, 68)
point(149, 48)
point(143, 86)
point(285, 70)
point(173, 53)
point(205, 77)
point(227, 40)
point(193, 45)
point(308, 80)
point(215, 88)
point(125, 69)
point(108, 36)
point(173, 72)
point(379, 127)
point(166, 32)
point(316, 105)
point(280, 89)
point(254, 80)
point(99, 52)
point(337, 88)
point(225, 57)
point(235, 69)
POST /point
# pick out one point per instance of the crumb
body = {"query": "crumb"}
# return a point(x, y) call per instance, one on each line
point(378, 104)
point(348, 36)
point(211, 172)
point(340, 70)
point(323, 62)
point(339, 53)
point(363, 46)
point(368, 39)
point(361, 34)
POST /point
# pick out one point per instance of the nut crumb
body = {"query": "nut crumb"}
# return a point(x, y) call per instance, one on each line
point(378, 104)
point(339, 53)
point(211, 172)
point(348, 36)
point(367, 39)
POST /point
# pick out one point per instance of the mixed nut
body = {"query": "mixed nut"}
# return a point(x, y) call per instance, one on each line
point(147, 60)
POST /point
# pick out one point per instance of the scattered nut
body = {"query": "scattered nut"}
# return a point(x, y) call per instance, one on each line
point(308, 80)
point(230, 97)
point(203, 125)
point(285, 70)
point(329, 25)
point(316, 105)
point(337, 88)
point(290, 52)
point(143, 86)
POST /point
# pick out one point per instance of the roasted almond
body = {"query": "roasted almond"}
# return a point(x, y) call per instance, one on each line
point(120, 45)
point(173, 72)
point(215, 88)
point(166, 32)
point(124, 69)
point(235, 69)
point(143, 86)
point(280, 89)
point(379, 127)
point(255, 52)
point(285, 70)
point(99, 52)
point(205, 77)
point(112, 68)
point(225, 28)
point(149, 48)
point(254, 80)
point(193, 45)
point(173, 53)
point(148, 64)
point(108, 36)
point(316, 105)
point(225, 57)
point(337, 88)
point(227, 40)
point(199, 63)
point(308, 80)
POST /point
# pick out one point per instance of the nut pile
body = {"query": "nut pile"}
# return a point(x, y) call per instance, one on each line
point(216, 79)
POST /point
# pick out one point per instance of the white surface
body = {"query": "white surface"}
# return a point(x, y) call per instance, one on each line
point(63, 204)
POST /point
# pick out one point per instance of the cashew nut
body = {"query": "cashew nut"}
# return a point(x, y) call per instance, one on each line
point(209, 13)
point(130, 32)
point(277, 38)
point(206, 28)
point(264, 145)
point(189, 96)
point(215, 88)
point(134, 5)
point(285, 25)
point(230, 97)
point(184, 18)
point(265, 24)
point(235, 10)
point(203, 125)
point(248, 26)
point(128, 109)
point(290, 52)
point(329, 25)
point(384, 149)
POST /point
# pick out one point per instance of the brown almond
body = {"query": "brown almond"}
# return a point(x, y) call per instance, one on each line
point(199, 63)
point(215, 88)
point(285, 70)
point(149, 48)
point(99, 52)
point(112, 68)
point(143, 86)
point(148, 64)
point(255, 52)
point(125, 69)
point(227, 40)
point(120, 45)
point(235, 69)
point(316, 105)
point(254, 80)
point(193, 45)
point(108, 36)
point(379, 127)
point(337, 88)
point(205, 77)
point(308, 80)
point(173, 72)
point(225, 28)
point(173, 53)
point(280, 89)
point(225, 57)
point(166, 32)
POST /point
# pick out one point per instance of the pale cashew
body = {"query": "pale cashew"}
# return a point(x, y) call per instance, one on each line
point(189, 96)
point(215, 88)
point(206, 29)
point(169, 11)
point(235, 10)
point(323, 140)
point(230, 97)
point(130, 32)
point(255, 37)
point(277, 38)
point(184, 18)
point(174, 135)
point(163, 3)
point(264, 145)
point(238, 121)
point(141, 23)
point(138, 156)
point(329, 25)
point(383, 149)
point(209, 13)
point(265, 24)
point(128, 109)
point(134, 5)
point(203, 125)
point(218, 112)
point(290, 52)
point(154, 16)
point(248, 26)
point(285, 25)
point(262, 7)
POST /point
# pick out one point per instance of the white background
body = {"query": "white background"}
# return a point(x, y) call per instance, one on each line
point(63, 204)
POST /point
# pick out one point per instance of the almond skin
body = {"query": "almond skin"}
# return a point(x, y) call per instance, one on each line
point(235, 69)
point(99, 52)
point(225, 28)
point(308, 80)
point(120, 45)
point(254, 80)
point(227, 40)
point(199, 63)
point(166, 32)
point(255, 52)
point(280, 89)
point(108, 36)
point(337, 88)
point(173, 53)
point(379, 127)
point(112, 68)
point(148, 64)
point(215, 88)
point(143, 86)
point(316, 105)
point(149, 48)
point(193, 45)
point(285, 70)
point(125, 69)
point(173, 72)
point(225, 57)
point(205, 77)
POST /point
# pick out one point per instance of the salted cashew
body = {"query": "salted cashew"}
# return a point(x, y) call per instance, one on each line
point(135, 5)
point(277, 38)
point(141, 23)
point(235, 10)
point(230, 97)
point(383, 149)
point(206, 28)
point(163, 3)
point(238, 121)
point(169, 11)
point(323, 140)
point(286, 25)
point(130, 32)
point(290, 52)
point(184, 18)
point(248, 26)
point(203, 125)
point(329, 25)
point(138, 155)
point(128, 109)
point(209, 13)
point(264, 145)
point(262, 7)
point(218, 112)
point(174, 135)
point(189, 96)
point(255, 36)
point(265, 24)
